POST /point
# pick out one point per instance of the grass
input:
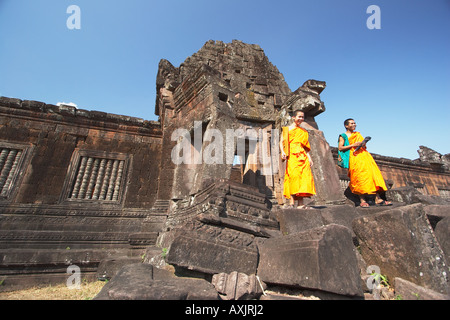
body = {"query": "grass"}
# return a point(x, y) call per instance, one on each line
point(87, 291)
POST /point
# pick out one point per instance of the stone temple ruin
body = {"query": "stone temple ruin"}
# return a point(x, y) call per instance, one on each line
point(102, 192)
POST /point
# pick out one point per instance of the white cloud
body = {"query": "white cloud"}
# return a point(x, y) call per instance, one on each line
point(70, 104)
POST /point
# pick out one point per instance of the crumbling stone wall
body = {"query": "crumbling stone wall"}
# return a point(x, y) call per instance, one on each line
point(429, 178)
point(224, 86)
point(54, 133)
point(258, 86)
point(235, 86)
point(75, 186)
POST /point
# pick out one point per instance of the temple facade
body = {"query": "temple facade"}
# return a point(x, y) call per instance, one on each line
point(79, 186)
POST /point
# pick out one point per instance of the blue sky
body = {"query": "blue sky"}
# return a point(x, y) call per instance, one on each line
point(394, 81)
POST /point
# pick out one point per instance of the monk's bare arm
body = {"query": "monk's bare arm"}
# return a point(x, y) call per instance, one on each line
point(341, 146)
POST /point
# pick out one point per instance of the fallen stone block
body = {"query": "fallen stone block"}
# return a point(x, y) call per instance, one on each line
point(295, 220)
point(402, 244)
point(406, 290)
point(409, 195)
point(436, 213)
point(238, 286)
point(342, 215)
point(442, 233)
point(322, 259)
point(213, 249)
point(108, 268)
point(144, 282)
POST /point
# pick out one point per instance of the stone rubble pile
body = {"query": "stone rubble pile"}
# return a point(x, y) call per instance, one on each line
point(326, 252)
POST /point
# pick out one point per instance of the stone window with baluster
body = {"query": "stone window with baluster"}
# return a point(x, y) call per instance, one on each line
point(13, 160)
point(95, 176)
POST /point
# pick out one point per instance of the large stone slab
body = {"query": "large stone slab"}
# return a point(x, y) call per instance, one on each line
point(213, 249)
point(298, 220)
point(410, 195)
point(144, 282)
point(410, 291)
point(326, 178)
point(342, 215)
point(436, 213)
point(109, 267)
point(322, 258)
point(402, 244)
point(442, 233)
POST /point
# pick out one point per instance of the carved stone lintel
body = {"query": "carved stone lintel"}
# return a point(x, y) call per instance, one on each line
point(213, 249)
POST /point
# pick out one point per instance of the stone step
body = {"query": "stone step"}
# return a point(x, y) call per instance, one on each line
point(24, 268)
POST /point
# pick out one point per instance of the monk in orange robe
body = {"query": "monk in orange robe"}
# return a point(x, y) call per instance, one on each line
point(365, 176)
point(298, 178)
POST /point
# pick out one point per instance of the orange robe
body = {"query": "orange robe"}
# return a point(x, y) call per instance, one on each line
point(298, 179)
point(365, 177)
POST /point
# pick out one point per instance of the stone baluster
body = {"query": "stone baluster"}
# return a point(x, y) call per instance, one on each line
point(117, 182)
point(85, 181)
point(109, 195)
point(79, 178)
point(106, 179)
point(99, 180)
point(6, 169)
point(92, 179)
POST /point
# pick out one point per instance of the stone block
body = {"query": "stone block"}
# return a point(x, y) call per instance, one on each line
point(410, 195)
point(326, 178)
point(295, 220)
point(406, 195)
point(144, 282)
point(322, 259)
point(442, 233)
point(341, 214)
point(213, 249)
point(10, 102)
point(406, 290)
point(108, 268)
point(402, 244)
point(436, 213)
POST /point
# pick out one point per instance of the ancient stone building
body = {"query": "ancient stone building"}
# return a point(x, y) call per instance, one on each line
point(235, 87)
point(78, 187)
